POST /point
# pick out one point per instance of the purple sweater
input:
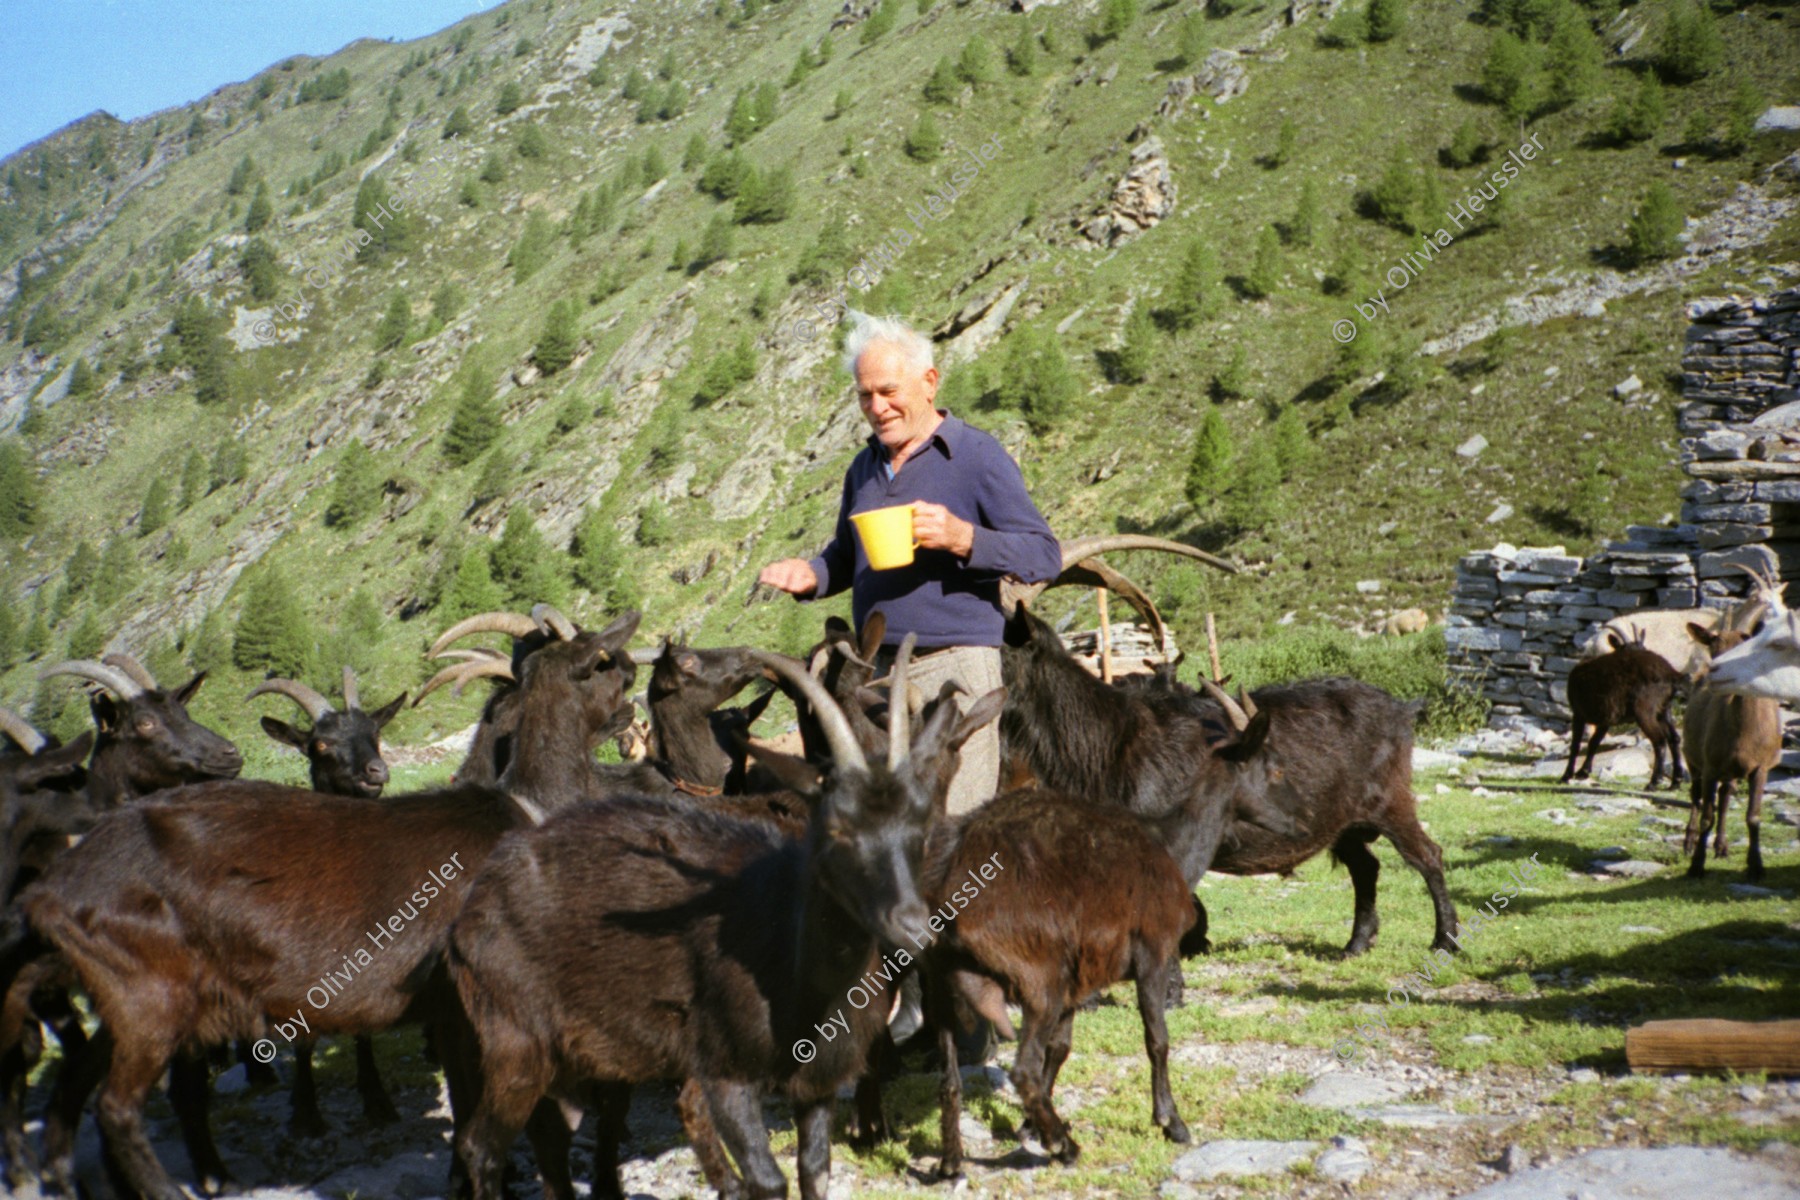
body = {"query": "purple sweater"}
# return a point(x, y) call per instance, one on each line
point(946, 601)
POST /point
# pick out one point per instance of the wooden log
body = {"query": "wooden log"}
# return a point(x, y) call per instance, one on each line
point(1662, 1047)
point(1212, 646)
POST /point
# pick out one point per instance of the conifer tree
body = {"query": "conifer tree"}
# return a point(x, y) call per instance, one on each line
point(523, 565)
point(1253, 499)
point(1292, 441)
point(395, 324)
point(925, 143)
point(1021, 60)
point(557, 344)
point(1131, 364)
point(10, 636)
point(1574, 60)
point(1691, 46)
point(82, 379)
point(356, 487)
point(1653, 228)
point(472, 590)
point(88, 638)
point(1308, 225)
point(1265, 268)
point(476, 422)
point(117, 574)
point(154, 513)
point(260, 211)
point(600, 565)
point(459, 123)
point(1387, 18)
point(940, 88)
point(1194, 294)
point(1209, 460)
point(272, 631)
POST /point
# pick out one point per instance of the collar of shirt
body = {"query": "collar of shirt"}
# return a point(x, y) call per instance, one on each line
point(945, 438)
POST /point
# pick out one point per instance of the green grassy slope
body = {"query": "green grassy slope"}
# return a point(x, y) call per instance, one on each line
point(116, 226)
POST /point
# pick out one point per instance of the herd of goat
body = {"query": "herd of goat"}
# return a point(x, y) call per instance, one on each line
point(690, 917)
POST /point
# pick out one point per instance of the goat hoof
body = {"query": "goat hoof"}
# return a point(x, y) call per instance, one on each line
point(1358, 945)
point(946, 1173)
point(1444, 942)
point(1177, 1132)
point(1068, 1152)
point(1696, 871)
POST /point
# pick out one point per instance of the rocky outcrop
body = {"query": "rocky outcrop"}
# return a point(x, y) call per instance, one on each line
point(1141, 198)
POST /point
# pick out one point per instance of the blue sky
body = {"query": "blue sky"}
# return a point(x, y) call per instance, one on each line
point(62, 59)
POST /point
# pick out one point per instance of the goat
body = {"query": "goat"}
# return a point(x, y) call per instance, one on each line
point(1631, 683)
point(205, 917)
point(1407, 620)
point(41, 805)
point(1728, 738)
point(738, 944)
point(145, 740)
point(1664, 632)
point(343, 757)
point(1069, 899)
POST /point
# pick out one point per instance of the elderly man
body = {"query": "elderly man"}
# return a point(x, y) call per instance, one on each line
point(972, 519)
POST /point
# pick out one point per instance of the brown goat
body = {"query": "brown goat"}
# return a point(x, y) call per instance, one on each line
point(1630, 683)
point(1728, 738)
point(1070, 897)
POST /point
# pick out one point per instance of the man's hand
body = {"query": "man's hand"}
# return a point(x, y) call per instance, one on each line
point(793, 575)
point(937, 528)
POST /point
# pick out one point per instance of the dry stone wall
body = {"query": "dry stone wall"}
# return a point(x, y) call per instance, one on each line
point(1520, 617)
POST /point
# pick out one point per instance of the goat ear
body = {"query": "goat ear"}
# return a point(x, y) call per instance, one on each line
point(62, 766)
point(980, 714)
point(1246, 744)
point(793, 772)
point(1700, 633)
point(107, 711)
point(284, 733)
point(753, 710)
point(1614, 640)
point(385, 713)
point(614, 636)
point(874, 631)
point(186, 691)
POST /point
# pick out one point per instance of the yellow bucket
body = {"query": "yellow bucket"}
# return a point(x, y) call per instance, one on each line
point(887, 535)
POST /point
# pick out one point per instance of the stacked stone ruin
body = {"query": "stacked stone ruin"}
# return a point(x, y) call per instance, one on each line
point(1520, 618)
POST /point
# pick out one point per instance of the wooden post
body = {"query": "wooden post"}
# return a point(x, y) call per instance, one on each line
point(1106, 661)
point(1212, 646)
point(1714, 1045)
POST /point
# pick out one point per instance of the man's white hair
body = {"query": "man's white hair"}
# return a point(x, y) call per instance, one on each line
point(866, 330)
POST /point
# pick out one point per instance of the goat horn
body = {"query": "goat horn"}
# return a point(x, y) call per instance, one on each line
point(352, 698)
point(132, 667)
point(514, 625)
point(1234, 712)
point(831, 718)
point(114, 681)
point(21, 731)
point(1086, 547)
point(549, 621)
point(899, 710)
point(1096, 573)
point(315, 705)
point(1245, 702)
point(462, 672)
point(474, 654)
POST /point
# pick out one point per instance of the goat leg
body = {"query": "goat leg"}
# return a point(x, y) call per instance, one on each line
point(550, 1139)
point(1352, 849)
point(378, 1107)
point(257, 1074)
point(1753, 863)
point(871, 1127)
point(136, 1066)
point(190, 1094)
point(1699, 801)
point(21, 1045)
point(1156, 1045)
point(812, 1121)
point(1423, 855)
point(703, 1136)
point(305, 1120)
point(737, 1114)
point(1718, 816)
point(1031, 1080)
point(85, 1064)
point(950, 1085)
point(1576, 730)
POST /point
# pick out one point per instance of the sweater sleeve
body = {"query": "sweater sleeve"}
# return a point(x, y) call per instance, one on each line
point(1011, 536)
point(836, 564)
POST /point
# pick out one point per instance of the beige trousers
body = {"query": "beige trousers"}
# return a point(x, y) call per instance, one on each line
point(977, 668)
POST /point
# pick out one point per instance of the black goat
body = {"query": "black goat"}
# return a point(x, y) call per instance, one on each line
point(205, 917)
point(343, 756)
point(740, 948)
point(146, 741)
point(1629, 683)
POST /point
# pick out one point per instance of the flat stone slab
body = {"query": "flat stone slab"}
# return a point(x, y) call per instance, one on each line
point(1423, 1116)
point(1647, 1174)
point(1350, 1089)
point(1751, 891)
point(1631, 868)
point(1216, 1159)
point(1347, 1161)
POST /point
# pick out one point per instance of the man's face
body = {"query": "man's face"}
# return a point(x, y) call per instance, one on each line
point(897, 398)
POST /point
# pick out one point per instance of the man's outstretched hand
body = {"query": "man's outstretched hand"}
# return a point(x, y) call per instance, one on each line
point(794, 575)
